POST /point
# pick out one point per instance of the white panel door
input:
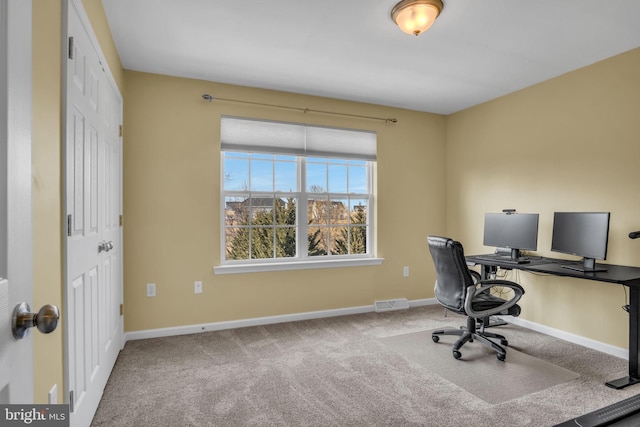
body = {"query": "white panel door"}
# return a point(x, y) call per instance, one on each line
point(16, 261)
point(93, 207)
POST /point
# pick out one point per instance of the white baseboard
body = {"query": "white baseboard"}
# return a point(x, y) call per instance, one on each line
point(259, 321)
point(269, 320)
point(620, 352)
point(422, 302)
point(256, 321)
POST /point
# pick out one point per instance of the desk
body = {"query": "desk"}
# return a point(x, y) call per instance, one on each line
point(619, 274)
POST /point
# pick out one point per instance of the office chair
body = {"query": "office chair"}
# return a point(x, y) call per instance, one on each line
point(457, 291)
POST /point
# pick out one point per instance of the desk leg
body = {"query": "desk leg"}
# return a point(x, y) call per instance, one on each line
point(634, 338)
point(486, 271)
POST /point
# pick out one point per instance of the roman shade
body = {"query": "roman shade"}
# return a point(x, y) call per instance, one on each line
point(260, 136)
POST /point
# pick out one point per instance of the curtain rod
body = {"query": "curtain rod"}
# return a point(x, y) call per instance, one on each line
point(210, 98)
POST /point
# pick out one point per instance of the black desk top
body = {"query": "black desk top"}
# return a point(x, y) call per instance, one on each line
point(615, 273)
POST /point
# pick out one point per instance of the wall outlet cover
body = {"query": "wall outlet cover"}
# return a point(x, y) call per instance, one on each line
point(151, 289)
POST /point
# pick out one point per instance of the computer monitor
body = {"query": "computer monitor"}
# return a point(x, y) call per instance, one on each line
point(584, 234)
point(515, 231)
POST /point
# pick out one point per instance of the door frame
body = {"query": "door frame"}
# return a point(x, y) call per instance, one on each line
point(16, 256)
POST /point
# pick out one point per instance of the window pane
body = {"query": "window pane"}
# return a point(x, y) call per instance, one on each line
point(261, 243)
point(285, 242)
point(286, 176)
point(338, 211)
point(337, 179)
point(262, 211)
point(316, 177)
point(358, 240)
point(237, 243)
point(236, 174)
point(236, 211)
point(261, 175)
point(339, 239)
point(358, 211)
point(317, 211)
point(260, 156)
point(317, 241)
point(358, 179)
point(286, 211)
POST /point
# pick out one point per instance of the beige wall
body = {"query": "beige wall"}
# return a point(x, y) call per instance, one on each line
point(172, 206)
point(47, 219)
point(47, 178)
point(571, 143)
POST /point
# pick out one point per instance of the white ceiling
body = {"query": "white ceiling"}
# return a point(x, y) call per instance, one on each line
point(477, 50)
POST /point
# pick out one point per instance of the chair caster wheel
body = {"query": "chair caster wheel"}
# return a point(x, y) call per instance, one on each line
point(457, 354)
point(504, 343)
point(501, 357)
point(435, 338)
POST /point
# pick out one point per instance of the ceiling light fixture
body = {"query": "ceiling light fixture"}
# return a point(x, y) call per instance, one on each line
point(416, 16)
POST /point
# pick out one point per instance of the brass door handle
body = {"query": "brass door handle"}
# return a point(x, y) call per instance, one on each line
point(46, 319)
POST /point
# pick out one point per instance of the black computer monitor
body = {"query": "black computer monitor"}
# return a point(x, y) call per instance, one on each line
point(516, 231)
point(584, 234)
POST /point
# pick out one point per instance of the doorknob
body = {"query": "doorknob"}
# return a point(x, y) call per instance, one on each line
point(46, 320)
point(105, 246)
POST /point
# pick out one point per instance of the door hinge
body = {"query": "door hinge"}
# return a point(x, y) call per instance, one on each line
point(121, 309)
point(70, 47)
point(120, 130)
point(69, 225)
point(121, 220)
point(71, 401)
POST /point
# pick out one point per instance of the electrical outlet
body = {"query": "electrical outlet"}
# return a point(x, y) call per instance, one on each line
point(197, 287)
point(53, 395)
point(151, 289)
point(405, 271)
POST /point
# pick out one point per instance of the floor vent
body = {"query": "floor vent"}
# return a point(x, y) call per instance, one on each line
point(391, 304)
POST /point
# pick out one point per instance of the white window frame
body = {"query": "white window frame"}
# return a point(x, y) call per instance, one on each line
point(302, 260)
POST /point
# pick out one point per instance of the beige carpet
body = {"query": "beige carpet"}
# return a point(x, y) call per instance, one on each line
point(341, 372)
point(478, 369)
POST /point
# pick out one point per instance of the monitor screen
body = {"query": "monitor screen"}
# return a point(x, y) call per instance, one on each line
point(514, 231)
point(584, 234)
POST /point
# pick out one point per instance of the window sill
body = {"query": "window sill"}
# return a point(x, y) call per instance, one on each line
point(297, 265)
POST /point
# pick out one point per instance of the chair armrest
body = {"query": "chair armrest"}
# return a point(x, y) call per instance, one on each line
point(486, 285)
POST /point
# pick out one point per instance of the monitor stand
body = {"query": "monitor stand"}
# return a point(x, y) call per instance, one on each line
point(588, 266)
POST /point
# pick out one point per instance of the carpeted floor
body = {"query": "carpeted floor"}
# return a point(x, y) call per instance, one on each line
point(339, 371)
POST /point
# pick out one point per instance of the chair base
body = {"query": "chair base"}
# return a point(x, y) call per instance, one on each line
point(469, 334)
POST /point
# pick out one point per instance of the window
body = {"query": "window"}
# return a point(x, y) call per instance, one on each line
point(295, 193)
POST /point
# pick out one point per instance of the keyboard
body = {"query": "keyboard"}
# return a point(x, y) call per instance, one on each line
point(607, 415)
point(503, 259)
